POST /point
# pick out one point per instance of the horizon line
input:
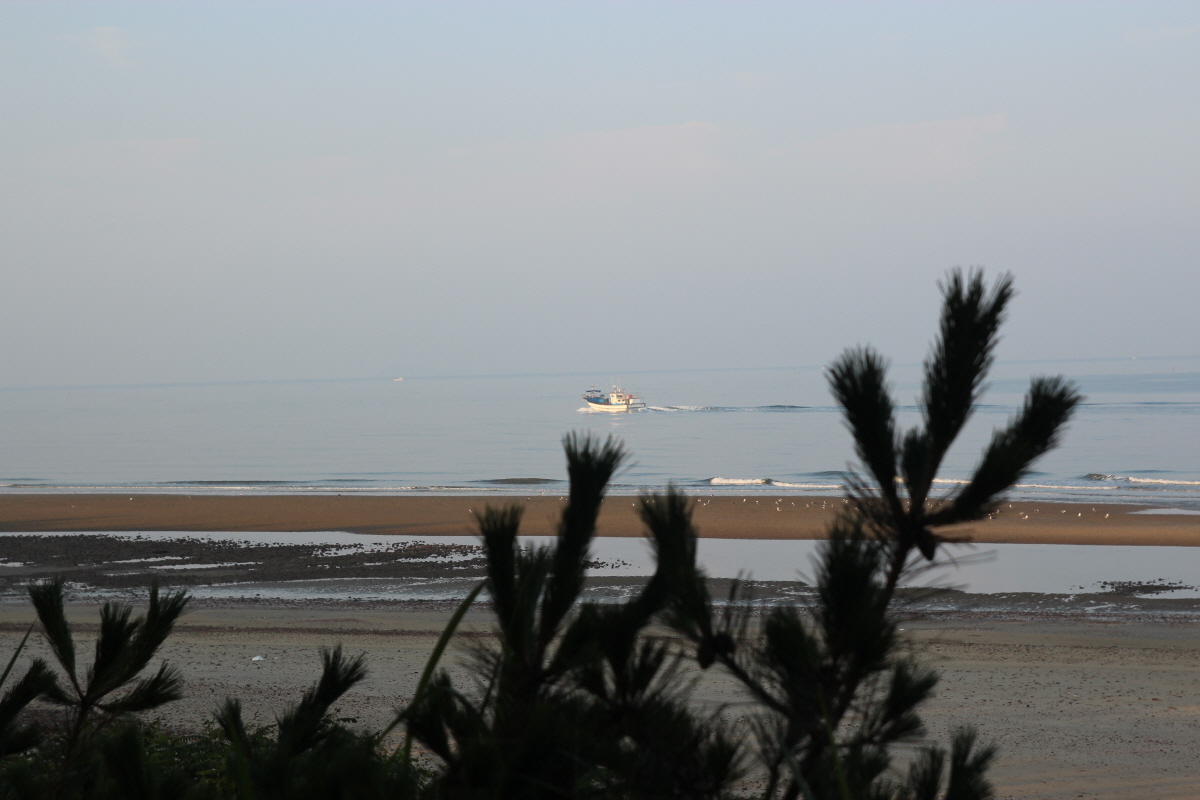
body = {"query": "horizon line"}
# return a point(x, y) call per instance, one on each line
point(463, 376)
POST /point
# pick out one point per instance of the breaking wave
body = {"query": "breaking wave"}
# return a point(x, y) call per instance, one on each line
point(958, 482)
point(769, 482)
point(1101, 477)
point(233, 484)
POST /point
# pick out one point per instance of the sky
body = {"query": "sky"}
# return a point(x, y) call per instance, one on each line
point(271, 191)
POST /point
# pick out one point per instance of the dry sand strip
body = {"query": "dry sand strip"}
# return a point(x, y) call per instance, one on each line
point(758, 517)
point(1078, 709)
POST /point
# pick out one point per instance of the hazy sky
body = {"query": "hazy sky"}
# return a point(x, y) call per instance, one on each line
point(261, 191)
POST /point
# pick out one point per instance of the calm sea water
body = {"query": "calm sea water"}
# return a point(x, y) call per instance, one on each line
point(729, 431)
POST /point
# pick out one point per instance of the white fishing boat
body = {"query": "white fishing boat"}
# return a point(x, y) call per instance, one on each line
point(618, 400)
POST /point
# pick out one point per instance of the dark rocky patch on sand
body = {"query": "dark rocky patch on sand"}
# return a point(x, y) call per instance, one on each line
point(131, 561)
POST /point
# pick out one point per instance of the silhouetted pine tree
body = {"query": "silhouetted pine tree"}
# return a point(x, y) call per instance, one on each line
point(574, 700)
point(16, 736)
point(954, 374)
point(111, 690)
point(311, 756)
point(835, 691)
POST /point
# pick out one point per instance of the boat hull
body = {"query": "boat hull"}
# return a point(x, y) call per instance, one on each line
point(620, 408)
point(618, 401)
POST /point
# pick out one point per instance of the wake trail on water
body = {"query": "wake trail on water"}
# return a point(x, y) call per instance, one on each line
point(771, 408)
point(776, 409)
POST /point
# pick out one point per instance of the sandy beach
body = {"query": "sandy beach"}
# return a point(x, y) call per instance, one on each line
point(1081, 704)
point(723, 517)
point(1078, 709)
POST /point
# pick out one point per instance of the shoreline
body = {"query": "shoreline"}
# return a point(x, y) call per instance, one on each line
point(723, 517)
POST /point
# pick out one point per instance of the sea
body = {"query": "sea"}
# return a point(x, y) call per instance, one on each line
point(1136, 438)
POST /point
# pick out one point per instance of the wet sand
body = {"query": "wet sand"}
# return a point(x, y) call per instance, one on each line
point(1078, 708)
point(757, 517)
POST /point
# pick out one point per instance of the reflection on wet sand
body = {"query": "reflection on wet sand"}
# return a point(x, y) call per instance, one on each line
point(339, 567)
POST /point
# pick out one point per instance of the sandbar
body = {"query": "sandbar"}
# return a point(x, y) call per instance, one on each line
point(722, 517)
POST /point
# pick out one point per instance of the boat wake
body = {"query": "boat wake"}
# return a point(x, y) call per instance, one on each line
point(773, 408)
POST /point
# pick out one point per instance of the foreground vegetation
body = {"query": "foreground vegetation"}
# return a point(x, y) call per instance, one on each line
point(577, 699)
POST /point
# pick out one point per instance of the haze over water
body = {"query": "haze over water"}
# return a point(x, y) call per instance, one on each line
point(201, 202)
point(772, 431)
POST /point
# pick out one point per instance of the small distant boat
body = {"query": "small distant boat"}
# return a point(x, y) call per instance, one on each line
point(616, 400)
